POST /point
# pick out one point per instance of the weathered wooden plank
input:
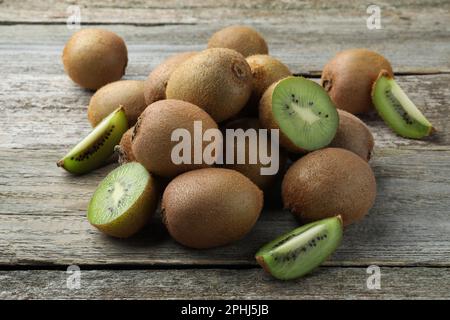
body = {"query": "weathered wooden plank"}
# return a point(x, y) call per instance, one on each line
point(42, 213)
point(324, 283)
point(32, 49)
point(49, 112)
point(173, 11)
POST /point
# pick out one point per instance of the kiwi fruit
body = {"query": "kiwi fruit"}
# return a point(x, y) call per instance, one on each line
point(126, 93)
point(397, 110)
point(349, 76)
point(93, 151)
point(151, 142)
point(245, 40)
point(265, 71)
point(124, 148)
point(210, 207)
point(329, 182)
point(300, 251)
point(353, 135)
point(253, 171)
point(95, 57)
point(217, 80)
point(124, 201)
point(302, 111)
point(156, 82)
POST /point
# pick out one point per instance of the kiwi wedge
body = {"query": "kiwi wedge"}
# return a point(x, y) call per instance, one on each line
point(93, 151)
point(397, 110)
point(298, 252)
point(302, 110)
point(124, 201)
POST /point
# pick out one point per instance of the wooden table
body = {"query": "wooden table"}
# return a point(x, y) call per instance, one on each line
point(43, 227)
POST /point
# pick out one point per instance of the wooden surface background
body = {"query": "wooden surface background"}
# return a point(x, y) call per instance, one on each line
point(43, 228)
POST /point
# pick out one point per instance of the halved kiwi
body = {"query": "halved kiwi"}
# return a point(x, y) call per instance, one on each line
point(124, 201)
point(98, 146)
point(302, 110)
point(397, 110)
point(298, 252)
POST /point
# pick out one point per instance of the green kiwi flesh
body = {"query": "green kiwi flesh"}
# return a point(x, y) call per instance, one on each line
point(123, 201)
point(397, 110)
point(304, 113)
point(93, 151)
point(298, 252)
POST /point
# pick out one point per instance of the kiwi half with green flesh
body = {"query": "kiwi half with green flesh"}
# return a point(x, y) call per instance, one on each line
point(298, 252)
point(126, 93)
point(93, 151)
point(397, 110)
point(302, 110)
point(124, 201)
point(353, 135)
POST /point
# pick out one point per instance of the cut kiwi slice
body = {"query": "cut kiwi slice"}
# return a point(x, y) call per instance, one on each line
point(304, 112)
point(98, 146)
point(397, 110)
point(124, 201)
point(298, 252)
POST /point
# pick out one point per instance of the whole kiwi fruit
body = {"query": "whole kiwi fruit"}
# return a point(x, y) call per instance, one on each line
point(126, 93)
point(353, 135)
point(124, 147)
point(243, 39)
point(348, 78)
point(210, 207)
point(217, 80)
point(95, 57)
point(329, 182)
point(156, 82)
point(253, 171)
point(265, 71)
point(151, 142)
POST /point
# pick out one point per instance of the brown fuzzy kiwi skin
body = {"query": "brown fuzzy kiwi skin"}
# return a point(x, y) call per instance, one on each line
point(128, 224)
point(353, 135)
point(126, 93)
point(253, 171)
point(210, 207)
point(95, 57)
point(217, 80)
point(348, 78)
point(329, 182)
point(124, 148)
point(156, 82)
point(265, 71)
point(151, 142)
point(243, 39)
point(268, 121)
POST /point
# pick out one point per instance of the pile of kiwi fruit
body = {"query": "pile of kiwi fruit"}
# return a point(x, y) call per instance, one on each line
point(326, 180)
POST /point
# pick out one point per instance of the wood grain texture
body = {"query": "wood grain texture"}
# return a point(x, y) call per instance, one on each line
point(324, 283)
point(42, 210)
point(417, 45)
